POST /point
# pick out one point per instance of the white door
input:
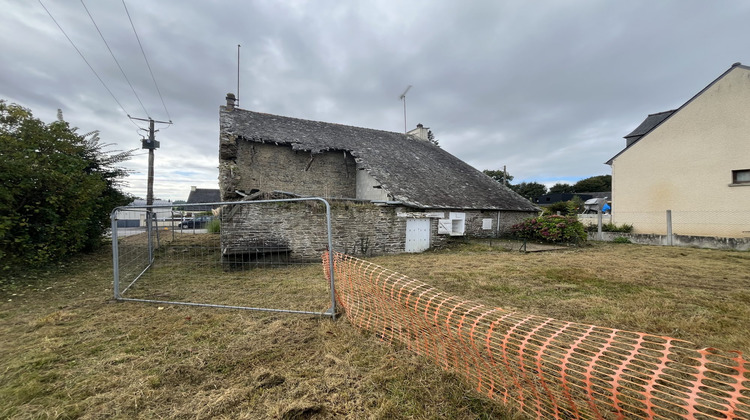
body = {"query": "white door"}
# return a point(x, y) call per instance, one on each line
point(417, 235)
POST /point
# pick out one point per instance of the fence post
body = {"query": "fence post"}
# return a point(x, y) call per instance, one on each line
point(599, 233)
point(115, 255)
point(669, 228)
point(150, 239)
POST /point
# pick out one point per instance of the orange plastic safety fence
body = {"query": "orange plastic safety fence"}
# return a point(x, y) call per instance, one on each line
point(545, 367)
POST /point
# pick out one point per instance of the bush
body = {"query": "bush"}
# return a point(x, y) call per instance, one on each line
point(621, 240)
point(611, 227)
point(568, 208)
point(57, 189)
point(214, 226)
point(551, 228)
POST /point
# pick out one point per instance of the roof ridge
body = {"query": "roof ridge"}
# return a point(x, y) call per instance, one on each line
point(318, 121)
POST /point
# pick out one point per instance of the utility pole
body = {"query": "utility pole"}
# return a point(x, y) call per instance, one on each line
point(151, 144)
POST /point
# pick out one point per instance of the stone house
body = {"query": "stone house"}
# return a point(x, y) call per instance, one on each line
point(391, 192)
point(694, 161)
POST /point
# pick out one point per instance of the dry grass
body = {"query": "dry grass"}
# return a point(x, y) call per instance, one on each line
point(698, 295)
point(68, 351)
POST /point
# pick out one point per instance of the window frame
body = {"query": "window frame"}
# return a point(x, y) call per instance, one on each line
point(735, 173)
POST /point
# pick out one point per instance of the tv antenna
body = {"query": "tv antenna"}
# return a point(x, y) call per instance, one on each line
point(238, 75)
point(403, 98)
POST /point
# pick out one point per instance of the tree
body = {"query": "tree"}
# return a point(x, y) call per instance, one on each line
point(561, 188)
point(600, 183)
point(498, 175)
point(529, 190)
point(57, 188)
point(431, 138)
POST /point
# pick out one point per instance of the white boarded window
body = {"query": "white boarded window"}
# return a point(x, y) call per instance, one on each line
point(444, 227)
point(487, 224)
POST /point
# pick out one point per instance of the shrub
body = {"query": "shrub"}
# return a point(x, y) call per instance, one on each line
point(621, 240)
point(611, 227)
point(57, 188)
point(551, 228)
point(214, 226)
point(568, 208)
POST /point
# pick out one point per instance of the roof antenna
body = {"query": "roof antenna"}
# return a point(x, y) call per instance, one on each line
point(403, 98)
point(238, 75)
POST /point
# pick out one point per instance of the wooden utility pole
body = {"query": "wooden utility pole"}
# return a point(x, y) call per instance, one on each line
point(151, 144)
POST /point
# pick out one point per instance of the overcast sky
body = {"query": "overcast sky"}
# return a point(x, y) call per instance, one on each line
point(547, 88)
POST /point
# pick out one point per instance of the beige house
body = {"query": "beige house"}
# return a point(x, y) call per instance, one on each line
point(694, 161)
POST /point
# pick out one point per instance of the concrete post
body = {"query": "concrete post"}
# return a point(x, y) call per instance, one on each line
point(670, 241)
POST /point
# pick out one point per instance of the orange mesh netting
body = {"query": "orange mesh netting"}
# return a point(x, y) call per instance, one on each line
point(544, 367)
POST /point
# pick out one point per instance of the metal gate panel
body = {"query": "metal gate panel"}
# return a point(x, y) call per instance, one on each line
point(236, 245)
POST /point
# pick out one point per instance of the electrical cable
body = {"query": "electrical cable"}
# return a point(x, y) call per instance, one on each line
point(147, 63)
point(114, 58)
point(88, 64)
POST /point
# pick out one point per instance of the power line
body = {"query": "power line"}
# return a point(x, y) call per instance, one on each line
point(87, 63)
point(114, 58)
point(147, 63)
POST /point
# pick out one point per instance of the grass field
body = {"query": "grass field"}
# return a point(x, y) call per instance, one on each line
point(69, 351)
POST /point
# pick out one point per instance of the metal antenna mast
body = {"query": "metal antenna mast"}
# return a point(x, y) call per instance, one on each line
point(238, 75)
point(403, 98)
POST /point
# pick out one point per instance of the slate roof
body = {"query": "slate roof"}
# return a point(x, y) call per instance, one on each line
point(651, 121)
point(415, 172)
point(203, 195)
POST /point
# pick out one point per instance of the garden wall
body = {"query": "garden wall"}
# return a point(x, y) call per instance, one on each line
point(712, 242)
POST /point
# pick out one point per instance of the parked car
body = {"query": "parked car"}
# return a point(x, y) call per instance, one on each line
point(197, 223)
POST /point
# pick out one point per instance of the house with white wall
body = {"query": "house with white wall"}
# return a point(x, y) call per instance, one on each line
point(694, 161)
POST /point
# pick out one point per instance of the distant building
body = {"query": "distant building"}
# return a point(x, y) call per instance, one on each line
point(202, 195)
point(137, 218)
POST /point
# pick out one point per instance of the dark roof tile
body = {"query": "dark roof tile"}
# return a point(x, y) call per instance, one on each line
point(414, 171)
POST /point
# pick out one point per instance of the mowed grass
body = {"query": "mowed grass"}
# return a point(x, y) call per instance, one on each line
point(69, 351)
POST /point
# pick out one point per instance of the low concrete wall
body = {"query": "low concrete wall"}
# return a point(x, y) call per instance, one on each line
point(593, 219)
point(712, 242)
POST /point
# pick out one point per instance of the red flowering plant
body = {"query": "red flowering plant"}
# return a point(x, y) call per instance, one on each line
point(551, 228)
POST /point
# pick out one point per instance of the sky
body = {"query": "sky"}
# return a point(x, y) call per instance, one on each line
point(545, 88)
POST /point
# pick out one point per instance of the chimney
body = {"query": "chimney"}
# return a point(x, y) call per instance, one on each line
point(193, 188)
point(420, 132)
point(230, 101)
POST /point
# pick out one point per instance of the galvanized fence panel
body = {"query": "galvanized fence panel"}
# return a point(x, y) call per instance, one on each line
point(240, 255)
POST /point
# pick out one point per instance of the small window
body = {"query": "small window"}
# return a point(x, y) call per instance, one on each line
point(741, 176)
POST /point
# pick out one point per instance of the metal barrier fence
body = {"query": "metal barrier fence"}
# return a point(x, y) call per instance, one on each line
point(544, 367)
point(225, 255)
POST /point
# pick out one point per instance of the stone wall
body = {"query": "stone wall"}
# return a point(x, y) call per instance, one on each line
point(300, 227)
point(271, 167)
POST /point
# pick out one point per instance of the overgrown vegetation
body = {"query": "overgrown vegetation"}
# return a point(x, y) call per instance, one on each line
point(611, 227)
point(68, 351)
point(621, 240)
point(57, 189)
point(551, 228)
point(214, 226)
point(568, 208)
